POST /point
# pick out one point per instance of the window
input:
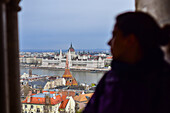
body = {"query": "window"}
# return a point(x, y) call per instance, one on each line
point(32, 106)
point(34, 36)
point(38, 110)
point(13, 53)
point(45, 107)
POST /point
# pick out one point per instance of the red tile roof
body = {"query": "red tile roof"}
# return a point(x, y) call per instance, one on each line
point(83, 97)
point(64, 102)
point(51, 92)
point(67, 74)
point(70, 82)
point(67, 93)
point(109, 57)
point(21, 55)
point(41, 100)
point(64, 97)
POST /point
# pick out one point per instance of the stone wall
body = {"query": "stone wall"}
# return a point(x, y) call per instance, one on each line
point(160, 10)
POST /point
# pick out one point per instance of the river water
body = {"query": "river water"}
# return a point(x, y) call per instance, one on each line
point(81, 76)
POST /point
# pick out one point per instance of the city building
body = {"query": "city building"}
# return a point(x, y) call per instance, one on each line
point(82, 100)
point(30, 60)
point(76, 61)
point(67, 105)
point(48, 102)
point(42, 103)
point(55, 83)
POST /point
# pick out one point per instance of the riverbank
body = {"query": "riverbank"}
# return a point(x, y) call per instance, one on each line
point(92, 70)
point(87, 77)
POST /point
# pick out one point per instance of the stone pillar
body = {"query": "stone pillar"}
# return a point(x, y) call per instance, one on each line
point(4, 107)
point(9, 60)
point(13, 56)
point(160, 10)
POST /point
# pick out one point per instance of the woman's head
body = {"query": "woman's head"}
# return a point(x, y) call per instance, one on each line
point(143, 26)
point(141, 29)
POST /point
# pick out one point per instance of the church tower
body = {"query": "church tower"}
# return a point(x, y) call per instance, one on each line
point(70, 80)
point(67, 73)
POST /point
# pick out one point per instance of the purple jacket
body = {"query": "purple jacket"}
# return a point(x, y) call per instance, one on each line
point(140, 88)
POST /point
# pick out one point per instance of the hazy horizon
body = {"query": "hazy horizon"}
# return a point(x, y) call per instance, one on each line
point(64, 50)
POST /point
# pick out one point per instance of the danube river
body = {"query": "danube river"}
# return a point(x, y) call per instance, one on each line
point(81, 76)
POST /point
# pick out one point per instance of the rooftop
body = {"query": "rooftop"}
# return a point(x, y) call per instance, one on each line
point(83, 97)
point(64, 102)
point(41, 99)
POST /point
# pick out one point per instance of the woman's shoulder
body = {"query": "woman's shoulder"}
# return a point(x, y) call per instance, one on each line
point(109, 77)
point(165, 70)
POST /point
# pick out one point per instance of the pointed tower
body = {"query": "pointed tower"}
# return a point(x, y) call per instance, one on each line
point(60, 56)
point(67, 73)
point(69, 58)
point(71, 48)
point(70, 80)
point(71, 45)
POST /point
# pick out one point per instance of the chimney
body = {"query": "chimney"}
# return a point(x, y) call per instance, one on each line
point(60, 93)
point(30, 93)
point(47, 99)
point(38, 91)
point(29, 99)
point(30, 72)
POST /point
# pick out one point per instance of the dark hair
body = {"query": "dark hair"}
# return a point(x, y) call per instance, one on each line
point(144, 27)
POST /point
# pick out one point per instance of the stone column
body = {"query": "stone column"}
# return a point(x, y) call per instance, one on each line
point(4, 107)
point(13, 56)
point(160, 10)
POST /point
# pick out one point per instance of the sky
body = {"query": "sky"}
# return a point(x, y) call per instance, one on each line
point(55, 24)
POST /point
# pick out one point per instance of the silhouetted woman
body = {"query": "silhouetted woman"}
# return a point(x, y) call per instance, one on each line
point(139, 81)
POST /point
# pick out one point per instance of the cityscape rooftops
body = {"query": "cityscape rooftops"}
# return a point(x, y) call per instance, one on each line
point(83, 97)
point(42, 95)
point(41, 99)
point(64, 102)
point(110, 57)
